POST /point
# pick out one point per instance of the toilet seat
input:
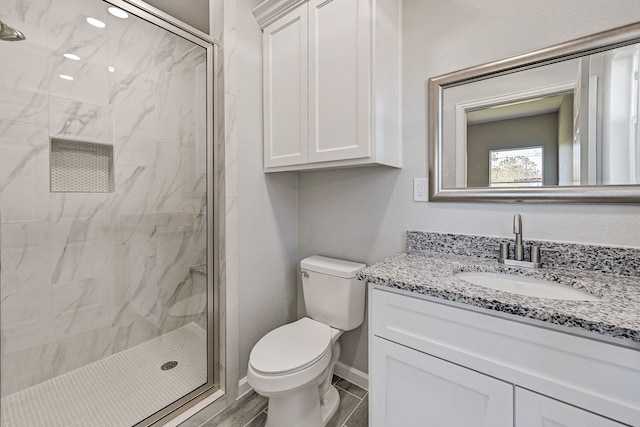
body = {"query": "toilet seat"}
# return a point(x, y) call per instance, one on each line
point(291, 348)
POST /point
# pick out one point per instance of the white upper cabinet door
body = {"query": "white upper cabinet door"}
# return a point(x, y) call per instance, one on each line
point(536, 410)
point(410, 388)
point(339, 79)
point(286, 103)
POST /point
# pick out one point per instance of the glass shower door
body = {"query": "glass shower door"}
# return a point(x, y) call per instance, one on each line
point(105, 215)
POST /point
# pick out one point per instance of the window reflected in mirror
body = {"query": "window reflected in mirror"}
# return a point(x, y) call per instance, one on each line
point(516, 167)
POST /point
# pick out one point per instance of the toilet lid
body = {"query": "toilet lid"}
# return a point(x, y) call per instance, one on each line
point(291, 347)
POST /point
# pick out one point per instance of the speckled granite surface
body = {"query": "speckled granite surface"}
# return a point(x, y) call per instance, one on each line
point(625, 261)
point(616, 314)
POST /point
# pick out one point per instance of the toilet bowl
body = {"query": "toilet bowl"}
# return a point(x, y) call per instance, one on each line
point(293, 364)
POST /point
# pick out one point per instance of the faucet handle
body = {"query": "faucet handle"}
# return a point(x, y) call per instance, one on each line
point(504, 249)
point(536, 250)
point(517, 224)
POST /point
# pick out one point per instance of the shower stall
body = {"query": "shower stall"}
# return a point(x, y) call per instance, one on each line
point(108, 312)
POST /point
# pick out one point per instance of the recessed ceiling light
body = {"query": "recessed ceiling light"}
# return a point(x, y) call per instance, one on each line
point(72, 57)
point(65, 77)
point(96, 22)
point(112, 69)
point(118, 13)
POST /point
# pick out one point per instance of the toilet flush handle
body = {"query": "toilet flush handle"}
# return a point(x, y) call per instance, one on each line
point(305, 274)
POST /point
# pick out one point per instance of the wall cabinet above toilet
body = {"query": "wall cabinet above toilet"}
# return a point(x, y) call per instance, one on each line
point(331, 74)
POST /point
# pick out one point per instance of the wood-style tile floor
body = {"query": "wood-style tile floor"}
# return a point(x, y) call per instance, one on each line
point(251, 409)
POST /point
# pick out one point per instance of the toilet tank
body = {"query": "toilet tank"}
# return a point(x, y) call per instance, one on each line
point(332, 293)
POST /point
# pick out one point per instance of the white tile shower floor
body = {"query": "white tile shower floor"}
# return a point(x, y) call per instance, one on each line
point(119, 390)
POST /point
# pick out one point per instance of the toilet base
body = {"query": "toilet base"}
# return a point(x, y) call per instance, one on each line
point(303, 408)
point(329, 405)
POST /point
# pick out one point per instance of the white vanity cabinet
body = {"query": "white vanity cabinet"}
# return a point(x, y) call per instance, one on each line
point(331, 74)
point(416, 389)
point(433, 364)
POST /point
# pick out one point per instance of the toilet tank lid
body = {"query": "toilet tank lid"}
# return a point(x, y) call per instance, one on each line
point(331, 266)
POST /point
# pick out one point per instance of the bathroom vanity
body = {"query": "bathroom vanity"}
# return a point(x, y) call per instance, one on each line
point(447, 352)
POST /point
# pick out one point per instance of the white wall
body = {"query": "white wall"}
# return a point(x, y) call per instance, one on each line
point(266, 205)
point(362, 214)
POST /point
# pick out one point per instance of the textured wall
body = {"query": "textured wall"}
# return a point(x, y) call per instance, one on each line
point(267, 217)
point(362, 214)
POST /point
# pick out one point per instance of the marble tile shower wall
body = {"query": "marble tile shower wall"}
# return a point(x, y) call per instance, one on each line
point(87, 275)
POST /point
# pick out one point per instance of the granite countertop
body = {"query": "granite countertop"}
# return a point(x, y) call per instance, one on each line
point(616, 314)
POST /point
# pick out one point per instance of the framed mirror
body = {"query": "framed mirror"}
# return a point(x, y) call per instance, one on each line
point(555, 125)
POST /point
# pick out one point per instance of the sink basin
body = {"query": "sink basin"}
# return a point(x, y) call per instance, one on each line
point(524, 285)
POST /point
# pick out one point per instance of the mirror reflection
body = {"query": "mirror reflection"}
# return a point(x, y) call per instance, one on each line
point(569, 123)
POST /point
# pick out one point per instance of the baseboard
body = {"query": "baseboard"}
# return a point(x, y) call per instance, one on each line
point(352, 375)
point(243, 387)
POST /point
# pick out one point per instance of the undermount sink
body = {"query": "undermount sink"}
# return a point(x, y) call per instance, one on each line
point(524, 285)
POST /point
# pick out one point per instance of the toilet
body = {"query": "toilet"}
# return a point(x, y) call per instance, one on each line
point(293, 364)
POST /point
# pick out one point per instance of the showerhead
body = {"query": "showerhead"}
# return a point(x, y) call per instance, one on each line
point(10, 34)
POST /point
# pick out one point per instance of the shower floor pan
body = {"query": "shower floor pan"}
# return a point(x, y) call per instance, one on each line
point(119, 390)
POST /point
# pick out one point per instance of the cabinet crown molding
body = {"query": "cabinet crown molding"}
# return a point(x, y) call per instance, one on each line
point(270, 10)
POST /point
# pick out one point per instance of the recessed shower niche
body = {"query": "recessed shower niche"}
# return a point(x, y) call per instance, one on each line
point(80, 167)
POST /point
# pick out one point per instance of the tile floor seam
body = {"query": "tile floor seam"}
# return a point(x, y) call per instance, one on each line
point(251, 420)
point(353, 411)
point(359, 398)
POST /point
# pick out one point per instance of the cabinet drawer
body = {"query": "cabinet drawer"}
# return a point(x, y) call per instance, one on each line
point(586, 373)
point(535, 410)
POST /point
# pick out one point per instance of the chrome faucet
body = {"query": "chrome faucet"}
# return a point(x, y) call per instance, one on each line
point(518, 251)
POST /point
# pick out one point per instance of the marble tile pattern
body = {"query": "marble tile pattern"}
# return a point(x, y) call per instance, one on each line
point(430, 271)
point(86, 275)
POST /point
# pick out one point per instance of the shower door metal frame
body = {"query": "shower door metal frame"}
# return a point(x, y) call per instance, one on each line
point(213, 384)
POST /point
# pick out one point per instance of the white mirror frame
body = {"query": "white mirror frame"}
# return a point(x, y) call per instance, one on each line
point(595, 43)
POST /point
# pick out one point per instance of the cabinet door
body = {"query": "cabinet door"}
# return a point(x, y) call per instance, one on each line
point(340, 76)
point(286, 86)
point(410, 388)
point(536, 410)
